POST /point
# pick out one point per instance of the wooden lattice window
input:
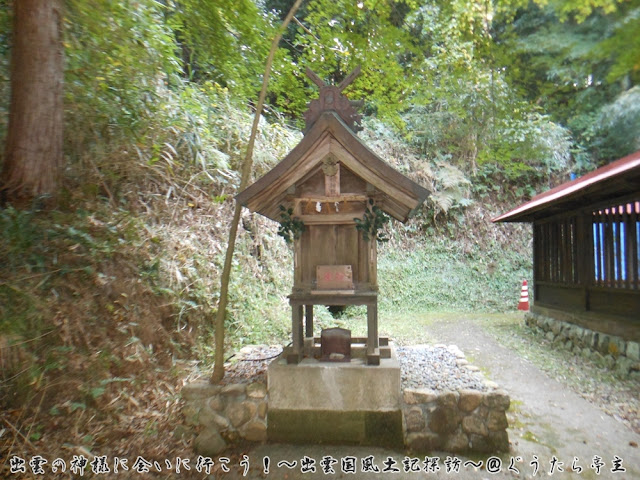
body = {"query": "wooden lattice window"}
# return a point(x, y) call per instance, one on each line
point(616, 236)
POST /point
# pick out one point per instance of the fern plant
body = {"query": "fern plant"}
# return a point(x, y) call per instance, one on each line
point(451, 189)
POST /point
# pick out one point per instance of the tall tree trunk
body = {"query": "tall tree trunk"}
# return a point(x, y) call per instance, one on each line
point(33, 151)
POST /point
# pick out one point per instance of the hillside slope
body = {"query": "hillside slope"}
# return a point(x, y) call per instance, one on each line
point(107, 302)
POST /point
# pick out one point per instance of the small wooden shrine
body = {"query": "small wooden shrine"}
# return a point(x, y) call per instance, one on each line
point(330, 194)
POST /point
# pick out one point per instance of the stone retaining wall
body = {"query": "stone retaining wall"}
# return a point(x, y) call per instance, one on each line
point(457, 422)
point(611, 351)
point(225, 414)
point(463, 421)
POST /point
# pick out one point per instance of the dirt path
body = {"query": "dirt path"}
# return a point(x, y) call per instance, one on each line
point(547, 421)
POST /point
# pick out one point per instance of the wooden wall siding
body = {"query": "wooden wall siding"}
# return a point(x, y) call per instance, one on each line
point(556, 251)
point(561, 249)
point(350, 183)
point(631, 218)
point(331, 206)
point(560, 295)
point(615, 302)
point(312, 185)
point(332, 245)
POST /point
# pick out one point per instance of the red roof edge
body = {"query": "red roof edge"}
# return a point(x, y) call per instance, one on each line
point(613, 169)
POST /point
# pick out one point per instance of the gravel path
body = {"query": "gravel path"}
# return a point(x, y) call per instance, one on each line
point(436, 367)
point(250, 364)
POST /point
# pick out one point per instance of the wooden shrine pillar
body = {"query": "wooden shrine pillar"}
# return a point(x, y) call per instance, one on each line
point(302, 335)
point(373, 341)
point(308, 311)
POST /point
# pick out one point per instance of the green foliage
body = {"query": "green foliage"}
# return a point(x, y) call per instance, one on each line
point(205, 126)
point(291, 228)
point(573, 59)
point(554, 61)
point(470, 114)
point(194, 114)
point(443, 275)
point(20, 312)
point(19, 233)
point(468, 98)
point(126, 91)
point(529, 151)
point(117, 56)
point(582, 9)
point(225, 41)
point(623, 44)
point(258, 311)
point(451, 188)
point(336, 36)
point(372, 222)
point(154, 77)
point(617, 132)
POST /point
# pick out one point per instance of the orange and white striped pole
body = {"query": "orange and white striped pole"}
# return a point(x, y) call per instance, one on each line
point(524, 297)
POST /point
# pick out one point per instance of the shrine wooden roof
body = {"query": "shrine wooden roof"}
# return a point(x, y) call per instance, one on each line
point(613, 181)
point(329, 135)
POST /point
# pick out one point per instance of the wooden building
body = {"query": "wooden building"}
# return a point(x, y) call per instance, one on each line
point(586, 236)
point(323, 185)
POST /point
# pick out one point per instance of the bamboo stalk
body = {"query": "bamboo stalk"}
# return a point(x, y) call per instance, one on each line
point(218, 368)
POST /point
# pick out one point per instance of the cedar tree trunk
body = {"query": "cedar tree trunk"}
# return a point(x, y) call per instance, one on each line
point(33, 151)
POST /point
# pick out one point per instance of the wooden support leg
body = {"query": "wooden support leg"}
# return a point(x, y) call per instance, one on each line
point(296, 331)
point(373, 348)
point(308, 331)
point(308, 310)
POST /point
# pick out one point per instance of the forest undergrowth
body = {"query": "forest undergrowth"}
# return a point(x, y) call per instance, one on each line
point(107, 301)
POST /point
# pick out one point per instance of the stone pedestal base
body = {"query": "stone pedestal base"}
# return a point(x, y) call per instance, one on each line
point(337, 403)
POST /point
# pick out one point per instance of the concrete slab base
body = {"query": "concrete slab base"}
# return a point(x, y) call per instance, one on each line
point(335, 402)
point(383, 429)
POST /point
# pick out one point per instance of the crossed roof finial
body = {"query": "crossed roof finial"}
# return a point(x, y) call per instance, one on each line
point(332, 99)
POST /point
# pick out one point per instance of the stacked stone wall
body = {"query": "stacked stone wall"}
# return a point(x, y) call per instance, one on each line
point(457, 422)
point(225, 414)
point(468, 420)
point(462, 421)
point(611, 351)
